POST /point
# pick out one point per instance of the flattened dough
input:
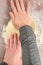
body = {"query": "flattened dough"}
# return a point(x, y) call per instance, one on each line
point(10, 29)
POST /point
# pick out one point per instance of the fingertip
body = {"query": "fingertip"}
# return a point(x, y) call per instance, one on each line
point(12, 15)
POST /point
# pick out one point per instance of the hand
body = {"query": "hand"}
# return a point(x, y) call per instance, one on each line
point(13, 54)
point(19, 16)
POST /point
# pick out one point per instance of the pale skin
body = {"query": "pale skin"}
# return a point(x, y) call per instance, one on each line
point(20, 18)
point(13, 55)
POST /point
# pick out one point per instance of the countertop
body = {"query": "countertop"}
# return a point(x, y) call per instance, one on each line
point(36, 12)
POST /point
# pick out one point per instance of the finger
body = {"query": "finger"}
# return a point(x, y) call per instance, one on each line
point(19, 47)
point(12, 16)
point(8, 43)
point(13, 7)
point(19, 43)
point(12, 41)
point(18, 5)
point(28, 8)
point(14, 45)
point(22, 5)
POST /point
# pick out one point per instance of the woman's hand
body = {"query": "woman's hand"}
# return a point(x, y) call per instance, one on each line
point(19, 16)
point(13, 54)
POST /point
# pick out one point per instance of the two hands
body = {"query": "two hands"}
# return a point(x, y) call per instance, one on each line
point(20, 17)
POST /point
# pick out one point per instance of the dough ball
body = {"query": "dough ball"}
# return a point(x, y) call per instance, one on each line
point(10, 29)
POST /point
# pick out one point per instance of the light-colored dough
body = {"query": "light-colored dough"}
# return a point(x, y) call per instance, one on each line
point(10, 29)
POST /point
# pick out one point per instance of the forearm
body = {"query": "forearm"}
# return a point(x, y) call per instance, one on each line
point(28, 37)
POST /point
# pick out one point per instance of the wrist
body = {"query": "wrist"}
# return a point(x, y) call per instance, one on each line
point(25, 25)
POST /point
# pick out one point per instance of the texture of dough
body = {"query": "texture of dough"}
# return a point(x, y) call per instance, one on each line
point(10, 29)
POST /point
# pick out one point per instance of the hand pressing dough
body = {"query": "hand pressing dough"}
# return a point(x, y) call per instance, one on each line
point(10, 29)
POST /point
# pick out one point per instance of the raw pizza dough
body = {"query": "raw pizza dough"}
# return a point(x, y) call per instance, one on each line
point(10, 29)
